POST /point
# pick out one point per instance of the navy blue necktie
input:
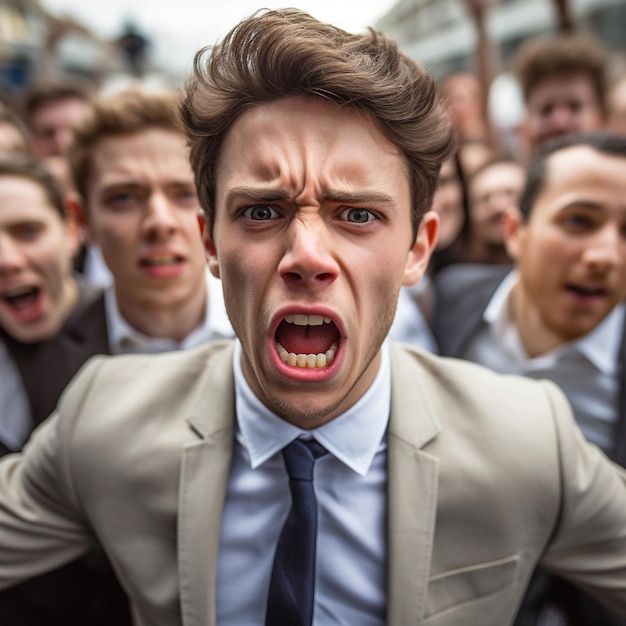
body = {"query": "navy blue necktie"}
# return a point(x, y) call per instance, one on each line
point(292, 587)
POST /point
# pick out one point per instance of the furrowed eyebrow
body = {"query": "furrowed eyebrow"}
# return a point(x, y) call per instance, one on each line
point(122, 185)
point(360, 197)
point(256, 195)
point(277, 195)
point(134, 184)
point(26, 221)
point(583, 204)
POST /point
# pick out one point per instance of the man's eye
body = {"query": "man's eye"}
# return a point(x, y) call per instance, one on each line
point(122, 197)
point(191, 196)
point(546, 110)
point(122, 200)
point(186, 197)
point(28, 231)
point(357, 216)
point(578, 222)
point(261, 212)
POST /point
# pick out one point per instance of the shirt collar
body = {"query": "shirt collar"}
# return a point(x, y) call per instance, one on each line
point(353, 437)
point(599, 346)
point(123, 338)
point(216, 317)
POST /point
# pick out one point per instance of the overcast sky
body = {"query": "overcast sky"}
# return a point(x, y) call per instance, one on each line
point(180, 27)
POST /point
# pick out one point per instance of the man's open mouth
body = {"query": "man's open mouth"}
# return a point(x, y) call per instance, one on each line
point(307, 341)
point(21, 298)
point(161, 261)
point(589, 291)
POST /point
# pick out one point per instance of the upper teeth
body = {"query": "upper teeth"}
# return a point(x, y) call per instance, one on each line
point(19, 291)
point(306, 320)
point(161, 260)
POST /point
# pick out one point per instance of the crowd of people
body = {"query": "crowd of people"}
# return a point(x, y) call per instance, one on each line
point(317, 197)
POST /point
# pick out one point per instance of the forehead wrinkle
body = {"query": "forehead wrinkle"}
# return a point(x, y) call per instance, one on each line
point(313, 160)
point(341, 179)
point(310, 161)
point(269, 175)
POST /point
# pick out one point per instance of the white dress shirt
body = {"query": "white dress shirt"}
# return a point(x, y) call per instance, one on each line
point(15, 417)
point(409, 324)
point(96, 270)
point(124, 339)
point(350, 485)
point(585, 369)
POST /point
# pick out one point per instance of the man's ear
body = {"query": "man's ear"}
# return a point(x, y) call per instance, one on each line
point(513, 227)
point(419, 254)
point(210, 250)
point(73, 231)
point(76, 208)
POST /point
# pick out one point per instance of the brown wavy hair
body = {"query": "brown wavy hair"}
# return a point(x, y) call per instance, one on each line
point(275, 54)
point(542, 58)
point(125, 113)
point(29, 168)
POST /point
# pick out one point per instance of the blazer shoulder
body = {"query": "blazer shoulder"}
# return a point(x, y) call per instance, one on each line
point(460, 374)
point(133, 368)
point(458, 392)
point(133, 386)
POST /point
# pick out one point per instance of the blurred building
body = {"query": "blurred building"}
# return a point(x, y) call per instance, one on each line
point(439, 34)
point(37, 46)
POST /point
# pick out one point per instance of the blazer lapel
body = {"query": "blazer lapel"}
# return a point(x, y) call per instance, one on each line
point(413, 476)
point(412, 479)
point(204, 479)
point(470, 289)
point(619, 448)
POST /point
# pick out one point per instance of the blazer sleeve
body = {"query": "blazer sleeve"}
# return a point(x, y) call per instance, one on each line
point(41, 522)
point(588, 546)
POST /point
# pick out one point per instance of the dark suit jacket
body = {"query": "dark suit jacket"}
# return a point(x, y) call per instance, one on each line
point(47, 367)
point(462, 294)
point(84, 591)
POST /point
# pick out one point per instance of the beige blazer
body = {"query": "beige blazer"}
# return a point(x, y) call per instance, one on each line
point(487, 476)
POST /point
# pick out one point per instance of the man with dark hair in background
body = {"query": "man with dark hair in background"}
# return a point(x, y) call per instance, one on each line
point(559, 314)
point(564, 82)
point(42, 345)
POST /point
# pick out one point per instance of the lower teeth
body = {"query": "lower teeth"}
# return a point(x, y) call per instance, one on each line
point(307, 361)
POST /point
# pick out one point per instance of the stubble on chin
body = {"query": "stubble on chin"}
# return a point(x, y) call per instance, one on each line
point(303, 417)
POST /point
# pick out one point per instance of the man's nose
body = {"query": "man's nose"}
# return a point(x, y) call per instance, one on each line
point(563, 118)
point(159, 220)
point(11, 255)
point(500, 201)
point(607, 249)
point(62, 138)
point(308, 260)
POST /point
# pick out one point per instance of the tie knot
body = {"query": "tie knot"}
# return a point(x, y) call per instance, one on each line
point(300, 456)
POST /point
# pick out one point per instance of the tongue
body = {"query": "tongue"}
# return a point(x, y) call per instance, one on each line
point(23, 302)
point(307, 339)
